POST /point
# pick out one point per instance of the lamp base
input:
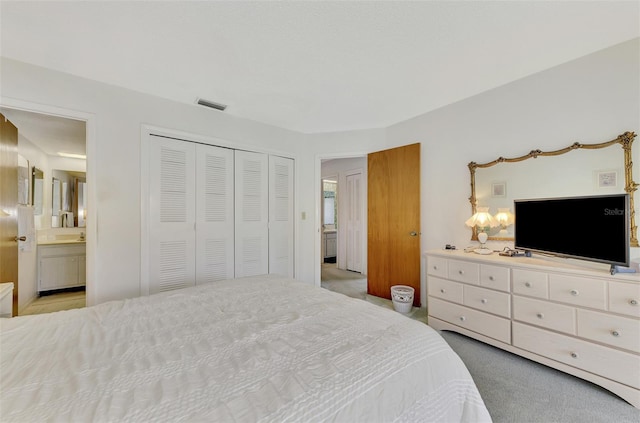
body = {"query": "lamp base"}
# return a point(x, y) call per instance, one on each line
point(483, 251)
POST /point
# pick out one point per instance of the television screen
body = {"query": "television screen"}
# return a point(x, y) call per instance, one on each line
point(592, 228)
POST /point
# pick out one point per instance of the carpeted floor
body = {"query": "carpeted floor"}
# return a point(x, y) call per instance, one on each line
point(354, 285)
point(513, 388)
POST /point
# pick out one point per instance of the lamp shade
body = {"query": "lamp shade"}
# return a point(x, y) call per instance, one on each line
point(482, 219)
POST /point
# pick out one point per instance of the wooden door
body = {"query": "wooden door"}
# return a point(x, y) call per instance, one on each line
point(393, 242)
point(8, 204)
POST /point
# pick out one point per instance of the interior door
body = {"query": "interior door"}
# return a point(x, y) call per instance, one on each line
point(8, 204)
point(171, 214)
point(393, 221)
point(252, 214)
point(214, 214)
point(281, 254)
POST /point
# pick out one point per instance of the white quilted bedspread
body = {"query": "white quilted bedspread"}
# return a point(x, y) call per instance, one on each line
point(245, 350)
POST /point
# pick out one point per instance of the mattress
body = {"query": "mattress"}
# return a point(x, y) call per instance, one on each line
point(260, 349)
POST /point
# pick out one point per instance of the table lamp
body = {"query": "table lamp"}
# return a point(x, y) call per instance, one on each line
point(483, 220)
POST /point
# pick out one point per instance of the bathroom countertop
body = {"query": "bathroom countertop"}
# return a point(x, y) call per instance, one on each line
point(61, 241)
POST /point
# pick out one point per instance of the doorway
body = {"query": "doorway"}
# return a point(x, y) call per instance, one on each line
point(38, 126)
point(342, 212)
point(395, 180)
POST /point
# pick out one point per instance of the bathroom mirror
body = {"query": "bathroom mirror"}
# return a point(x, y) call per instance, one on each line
point(37, 190)
point(579, 169)
point(68, 199)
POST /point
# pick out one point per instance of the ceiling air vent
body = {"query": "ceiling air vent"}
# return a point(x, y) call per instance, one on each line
point(211, 104)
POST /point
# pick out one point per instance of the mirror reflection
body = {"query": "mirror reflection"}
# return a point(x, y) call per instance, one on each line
point(37, 178)
point(68, 195)
point(578, 170)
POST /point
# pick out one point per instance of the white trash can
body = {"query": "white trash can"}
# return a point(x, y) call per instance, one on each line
point(402, 297)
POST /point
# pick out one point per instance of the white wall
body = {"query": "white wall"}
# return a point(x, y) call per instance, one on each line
point(591, 99)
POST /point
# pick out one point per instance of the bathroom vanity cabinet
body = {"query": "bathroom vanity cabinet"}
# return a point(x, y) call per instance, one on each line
point(61, 266)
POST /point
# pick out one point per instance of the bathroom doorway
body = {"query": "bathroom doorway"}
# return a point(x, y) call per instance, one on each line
point(51, 139)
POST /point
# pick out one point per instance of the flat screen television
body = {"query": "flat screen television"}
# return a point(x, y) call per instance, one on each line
point(594, 228)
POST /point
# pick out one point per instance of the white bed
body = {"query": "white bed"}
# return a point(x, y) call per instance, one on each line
point(244, 350)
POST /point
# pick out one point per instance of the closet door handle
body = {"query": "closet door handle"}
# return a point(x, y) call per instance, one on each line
point(20, 238)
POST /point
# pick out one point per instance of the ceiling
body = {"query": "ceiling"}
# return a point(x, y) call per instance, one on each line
point(312, 66)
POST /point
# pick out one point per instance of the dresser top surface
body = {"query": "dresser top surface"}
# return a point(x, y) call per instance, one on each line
point(539, 263)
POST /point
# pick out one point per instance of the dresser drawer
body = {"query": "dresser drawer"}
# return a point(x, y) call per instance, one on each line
point(447, 290)
point(624, 298)
point(464, 271)
point(580, 291)
point(542, 313)
point(495, 277)
point(477, 321)
point(621, 332)
point(486, 300)
point(531, 283)
point(437, 266)
point(613, 364)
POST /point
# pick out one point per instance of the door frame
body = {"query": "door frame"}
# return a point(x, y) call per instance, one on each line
point(91, 145)
point(317, 187)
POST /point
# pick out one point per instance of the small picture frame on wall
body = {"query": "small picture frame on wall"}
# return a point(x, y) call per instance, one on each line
point(499, 189)
point(606, 179)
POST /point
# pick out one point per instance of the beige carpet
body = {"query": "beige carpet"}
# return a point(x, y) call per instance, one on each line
point(354, 285)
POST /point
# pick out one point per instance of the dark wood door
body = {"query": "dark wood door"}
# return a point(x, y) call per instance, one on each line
point(8, 206)
point(393, 242)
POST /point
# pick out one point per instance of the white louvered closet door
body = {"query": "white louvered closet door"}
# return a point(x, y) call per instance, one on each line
point(171, 214)
point(281, 216)
point(251, 214)
point(214, 214)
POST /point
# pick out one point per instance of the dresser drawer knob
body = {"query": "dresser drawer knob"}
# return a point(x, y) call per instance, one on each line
point(435, 267)
point(484, 301)
point(527, 284)
point(574, 355)
point(491, 278)
point(615, 333)
point(633, 302)
point(443, 290)
point(461, 272)
point(462, 318)
point(540, 316)
point(574, 292)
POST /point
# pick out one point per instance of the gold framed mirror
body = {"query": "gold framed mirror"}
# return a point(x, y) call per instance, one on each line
point(555, 174)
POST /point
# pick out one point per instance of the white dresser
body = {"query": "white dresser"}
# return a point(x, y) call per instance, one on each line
point(575, 317)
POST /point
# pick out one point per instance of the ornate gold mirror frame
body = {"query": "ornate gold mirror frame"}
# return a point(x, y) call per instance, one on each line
point(625, 140)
